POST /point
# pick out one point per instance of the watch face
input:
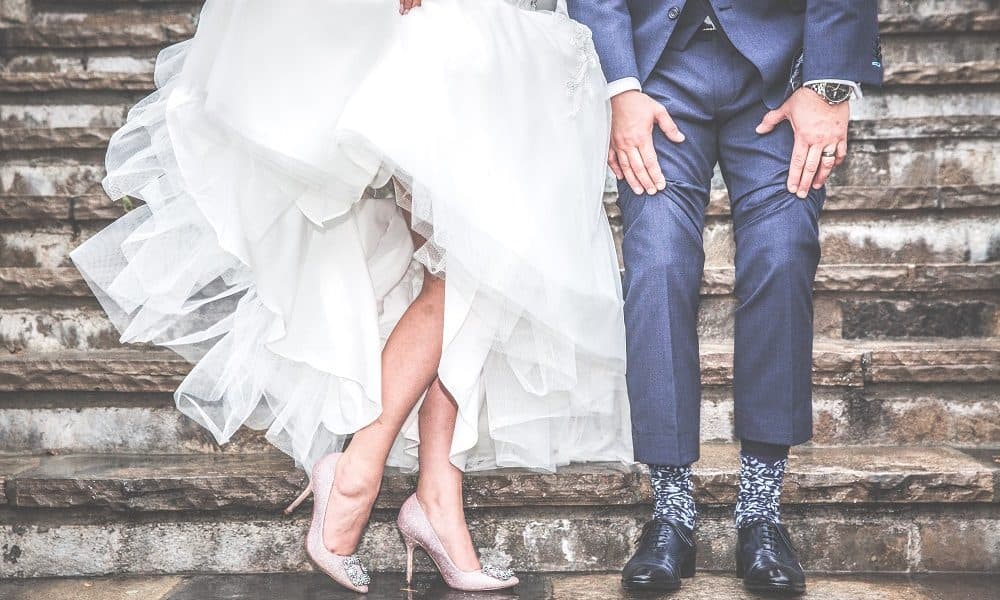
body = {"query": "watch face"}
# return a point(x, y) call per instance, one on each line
point(838, 92)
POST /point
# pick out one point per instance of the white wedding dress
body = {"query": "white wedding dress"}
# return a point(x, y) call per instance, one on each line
point(261, 254)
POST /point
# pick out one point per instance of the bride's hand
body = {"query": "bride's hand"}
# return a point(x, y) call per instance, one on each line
point(406, 5)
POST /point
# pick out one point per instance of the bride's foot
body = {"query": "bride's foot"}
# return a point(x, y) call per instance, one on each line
point(447, 516)
point(351, 500)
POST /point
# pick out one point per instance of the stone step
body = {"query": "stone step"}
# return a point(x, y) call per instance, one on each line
point(110, 73)
point(909, 103)
point(89, 127)
point(842, 539)
point(961, 414)
point(27, 124)
point(52, 309)
point(934, 237)
point(956, 278)
point(836, 363)
point(268, 482)
point(874, 509)
point(149, 423)
point(93, 205)
point(598, 586)
point(923, 160)
point(146, 24)
point(925, 393)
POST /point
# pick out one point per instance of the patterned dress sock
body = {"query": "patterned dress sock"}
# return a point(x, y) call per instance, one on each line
point(673, 497)
point(762, 473)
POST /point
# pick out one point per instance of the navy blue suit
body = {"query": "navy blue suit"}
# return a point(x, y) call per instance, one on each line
point(839, 37)
point(717, 87)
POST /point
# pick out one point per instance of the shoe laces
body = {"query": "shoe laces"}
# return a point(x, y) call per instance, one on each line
point(663, 534)
point(769, 536)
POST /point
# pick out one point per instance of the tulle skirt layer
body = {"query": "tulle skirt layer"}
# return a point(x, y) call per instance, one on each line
point(262, 254)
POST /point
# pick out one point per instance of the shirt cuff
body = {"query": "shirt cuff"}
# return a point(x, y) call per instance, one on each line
point(625, 84)
point(854, 85)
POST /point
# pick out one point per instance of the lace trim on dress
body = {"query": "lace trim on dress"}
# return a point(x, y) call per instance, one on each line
point(582, 42)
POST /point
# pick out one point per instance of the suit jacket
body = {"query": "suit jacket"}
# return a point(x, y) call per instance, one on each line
point(838, 38)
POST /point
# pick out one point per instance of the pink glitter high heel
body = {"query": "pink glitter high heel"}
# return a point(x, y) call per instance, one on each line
point(418, 531)
point(348, 571)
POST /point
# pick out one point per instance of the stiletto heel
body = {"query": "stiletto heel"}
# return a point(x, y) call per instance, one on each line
point(295, 503)
point(411, 547)
point(417, 530)
point(348, 571)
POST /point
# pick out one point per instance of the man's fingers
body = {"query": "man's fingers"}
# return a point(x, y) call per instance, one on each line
point(668, 127)
point(649, 159)
point(613, 163)
point(628, 173)
point(841, 152)
point(638, 163)
point(796, 164)
point(827, 162)
point(771, 120)
point(809, 170)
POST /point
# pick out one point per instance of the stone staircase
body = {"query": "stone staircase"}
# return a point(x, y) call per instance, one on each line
point(100, 475)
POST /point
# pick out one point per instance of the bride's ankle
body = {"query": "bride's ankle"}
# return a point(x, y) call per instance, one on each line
point(440, 502)
point(357, 481)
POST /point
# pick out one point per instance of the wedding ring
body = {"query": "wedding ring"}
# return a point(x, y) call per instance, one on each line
point(829, 153)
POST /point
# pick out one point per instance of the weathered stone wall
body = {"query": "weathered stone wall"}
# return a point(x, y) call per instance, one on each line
point(907, 353)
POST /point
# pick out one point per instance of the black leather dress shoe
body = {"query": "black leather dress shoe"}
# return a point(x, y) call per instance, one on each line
point(665, 554)
point(766, 561)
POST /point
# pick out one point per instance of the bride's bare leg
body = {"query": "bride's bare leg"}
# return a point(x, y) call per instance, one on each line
point(409, 365)
point(439, 488)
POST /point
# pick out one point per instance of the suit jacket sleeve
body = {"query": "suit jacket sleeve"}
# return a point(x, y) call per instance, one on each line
point(611, 25)
point(842, 41)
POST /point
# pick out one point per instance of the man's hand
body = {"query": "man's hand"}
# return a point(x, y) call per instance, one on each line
point(406, 5)
point(632, 156)
point(820, 138)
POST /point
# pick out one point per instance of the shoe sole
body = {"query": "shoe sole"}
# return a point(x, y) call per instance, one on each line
point(651, 587)
point(790, 590)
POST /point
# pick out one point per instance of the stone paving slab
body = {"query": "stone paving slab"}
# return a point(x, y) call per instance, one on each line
point(122, 588)
point(604, 586)
point(851, 475)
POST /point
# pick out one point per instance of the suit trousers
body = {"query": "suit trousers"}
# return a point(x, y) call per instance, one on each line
point(714, 94)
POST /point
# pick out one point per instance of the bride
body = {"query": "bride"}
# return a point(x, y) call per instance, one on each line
point(467, 316)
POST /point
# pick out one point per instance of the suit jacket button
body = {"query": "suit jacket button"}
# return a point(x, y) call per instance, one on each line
point(673, 13)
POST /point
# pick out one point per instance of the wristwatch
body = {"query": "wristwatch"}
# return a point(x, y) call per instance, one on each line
point(833, 93)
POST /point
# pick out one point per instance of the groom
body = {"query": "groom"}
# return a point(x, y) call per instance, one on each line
point(761, 87)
